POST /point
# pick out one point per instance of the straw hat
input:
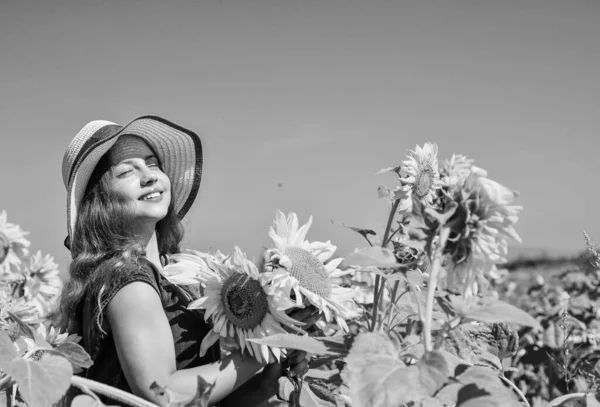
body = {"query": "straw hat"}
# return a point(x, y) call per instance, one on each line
point(179, 151)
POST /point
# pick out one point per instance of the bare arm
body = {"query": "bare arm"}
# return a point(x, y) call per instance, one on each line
point(146, 351)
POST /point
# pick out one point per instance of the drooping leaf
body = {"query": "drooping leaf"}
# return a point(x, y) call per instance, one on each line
point(389, 169)
point(291, 341)
point(74, 354)
point(363, 232)
point(7, 351)
point(496, 311)
point(42, 383)
point(372, 257)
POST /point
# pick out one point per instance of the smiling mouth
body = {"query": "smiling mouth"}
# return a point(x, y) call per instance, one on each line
point(151, 196)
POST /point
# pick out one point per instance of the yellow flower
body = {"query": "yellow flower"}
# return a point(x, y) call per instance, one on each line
point(42, 283)
point(419, 176)
point(25, 311)
point(299, 268)
point(480, 229)
point(237, 303)
point(13, 246)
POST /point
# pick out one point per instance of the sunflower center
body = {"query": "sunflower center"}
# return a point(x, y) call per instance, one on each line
point(244, 301)
point(423, 182)
point(309, 271)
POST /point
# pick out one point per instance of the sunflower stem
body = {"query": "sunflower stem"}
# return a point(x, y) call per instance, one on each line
point(378, 289)
point(431, 285)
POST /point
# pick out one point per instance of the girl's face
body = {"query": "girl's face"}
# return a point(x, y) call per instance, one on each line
point(146, 188)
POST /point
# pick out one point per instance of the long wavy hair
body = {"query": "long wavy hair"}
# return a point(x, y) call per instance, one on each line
point(103, 245)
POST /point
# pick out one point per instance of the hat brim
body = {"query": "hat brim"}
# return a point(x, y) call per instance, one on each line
point(179, 151)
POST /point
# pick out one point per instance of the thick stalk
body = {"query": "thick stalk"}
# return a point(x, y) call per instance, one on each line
point(377, 289)
point(431, 285)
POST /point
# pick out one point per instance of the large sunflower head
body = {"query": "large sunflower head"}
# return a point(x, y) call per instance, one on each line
point(419, 174)
point(304, 270)
point(238, 305)
point(481, 227)
point(13, 245)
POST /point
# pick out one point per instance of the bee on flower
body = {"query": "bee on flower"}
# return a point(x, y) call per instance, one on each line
point(301, 269)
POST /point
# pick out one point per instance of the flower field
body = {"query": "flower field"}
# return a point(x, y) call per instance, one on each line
point(429, 313)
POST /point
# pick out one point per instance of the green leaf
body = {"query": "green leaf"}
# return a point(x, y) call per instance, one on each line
point(496, 311)
point(7, 351)
point(483, 387)
point(376, 375)
point(291, 341)
point(363, 232)
point(42, 383)
point(591, 401)
point(372, 257)
point(74, 353)
point(323, 393)
point(309, 399)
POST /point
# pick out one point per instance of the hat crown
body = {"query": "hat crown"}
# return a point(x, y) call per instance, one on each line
point(75, 146)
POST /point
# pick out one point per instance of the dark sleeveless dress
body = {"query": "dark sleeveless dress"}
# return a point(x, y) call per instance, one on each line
point(188, 328)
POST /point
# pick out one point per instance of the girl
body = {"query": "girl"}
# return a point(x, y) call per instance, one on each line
point(128, 188)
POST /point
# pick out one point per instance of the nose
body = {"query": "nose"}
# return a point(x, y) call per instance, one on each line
point(148, 176)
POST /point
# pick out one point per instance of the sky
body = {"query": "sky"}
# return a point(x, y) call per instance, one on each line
point(300, 103)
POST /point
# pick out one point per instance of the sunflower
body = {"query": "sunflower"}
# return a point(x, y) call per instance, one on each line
point(298, 267)
point(20, 308)
point(42, 283)
point(419, 176)
point(235, 300)
point(13, 246)
point(458, 167)
point(481, 227)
